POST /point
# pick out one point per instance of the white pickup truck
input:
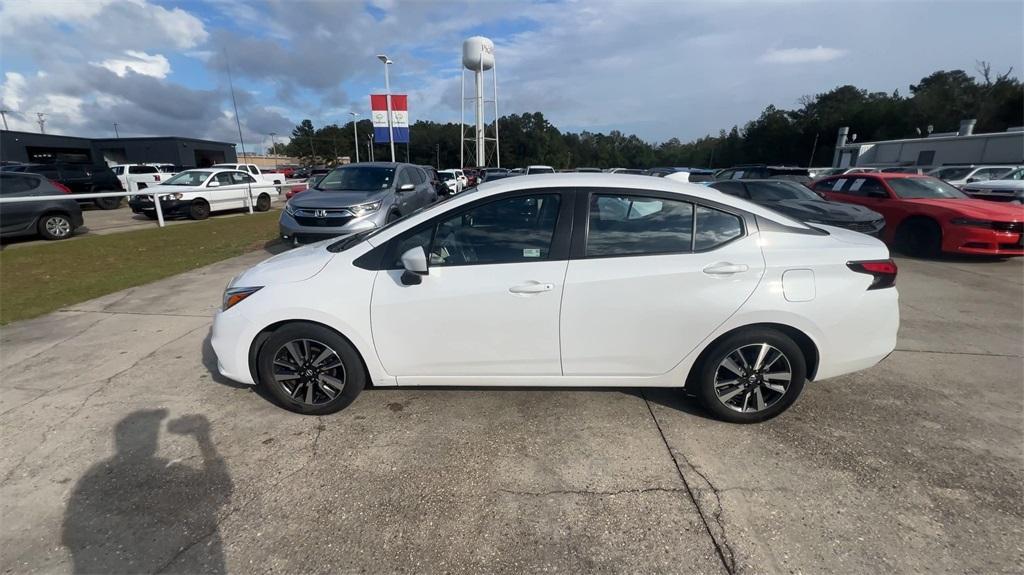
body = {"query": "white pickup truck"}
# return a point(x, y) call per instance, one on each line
point(255, 172)
point(139, 176)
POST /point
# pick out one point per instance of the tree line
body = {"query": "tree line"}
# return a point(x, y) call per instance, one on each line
point(804, 136)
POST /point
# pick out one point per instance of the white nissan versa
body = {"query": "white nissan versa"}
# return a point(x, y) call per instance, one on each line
point(567, 280)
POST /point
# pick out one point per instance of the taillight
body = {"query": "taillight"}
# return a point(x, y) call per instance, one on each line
point(883, 272)
point(61, 187)
point(157, 178)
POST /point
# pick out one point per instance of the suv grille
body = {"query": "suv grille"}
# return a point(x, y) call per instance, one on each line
point(328, 218)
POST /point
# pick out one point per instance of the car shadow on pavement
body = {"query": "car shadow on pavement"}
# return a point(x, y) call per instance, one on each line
point(138, 513)
point(673, 398)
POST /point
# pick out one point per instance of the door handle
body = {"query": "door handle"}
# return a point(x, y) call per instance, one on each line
point(532, 287)
point(725, 269)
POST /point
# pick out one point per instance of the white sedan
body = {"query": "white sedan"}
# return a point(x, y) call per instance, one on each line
point(197, 193)
point(567, 280)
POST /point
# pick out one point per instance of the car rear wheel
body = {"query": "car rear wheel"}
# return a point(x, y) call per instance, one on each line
point(55, 227)
point(199, 210)
point(263, 203)
point(310, 369)
point(107, 203)
point(919, 238)
point(751, 376)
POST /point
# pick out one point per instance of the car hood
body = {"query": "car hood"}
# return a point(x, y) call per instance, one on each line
point(340, 199)
point(979, 209)
point(996, 185)
point(824, 211)
point(294, 265)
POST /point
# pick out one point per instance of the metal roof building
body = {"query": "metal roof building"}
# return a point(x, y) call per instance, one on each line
point(47, 148)
point(956, 148)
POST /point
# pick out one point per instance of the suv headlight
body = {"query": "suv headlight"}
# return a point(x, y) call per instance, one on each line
point(232, 296)
point(288, 208)
point(971, 222)
point(363, 209)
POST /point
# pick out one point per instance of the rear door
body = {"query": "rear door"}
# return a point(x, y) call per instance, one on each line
point(642, 289)
point(228, 194)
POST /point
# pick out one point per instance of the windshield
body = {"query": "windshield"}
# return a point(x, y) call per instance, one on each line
point(923, 189)
point(1017, 174)
point(188, 178)
point(780, 190)
point(952, 173)
point(358, 179)
point(446, 176)
point(358, 237)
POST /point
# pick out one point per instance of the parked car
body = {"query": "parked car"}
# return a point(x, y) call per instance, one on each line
point(538, 169)
point(51, 219)
point(960, 176)
point(588, 170)
point(435, 181)
point(461, 176)
point(79, 178)
point(904, 170)
point(197, 193)
point(764, 172)
point(1009, 188)
point(355, 198)
point(824, 173)
point(800, 203)
point(309, 184)
point(451, 181)
point(925, 216)
point(625, 171)
point(257, 174)
point(667, 285)
point(515, 172)
point(472, 177)
point(493, 174)
point(166, 168)
point(135, 177)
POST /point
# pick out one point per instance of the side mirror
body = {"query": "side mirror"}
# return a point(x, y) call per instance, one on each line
point(213, 184)
point(972, 180)
point(414, 260)
point(406, 188)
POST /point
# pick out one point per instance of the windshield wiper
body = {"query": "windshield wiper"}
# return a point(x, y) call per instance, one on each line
point(347, 242)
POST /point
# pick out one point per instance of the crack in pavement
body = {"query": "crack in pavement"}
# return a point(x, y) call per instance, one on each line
point(103, 384)
point(597, 493)
point(62, 341)
point(722, 547)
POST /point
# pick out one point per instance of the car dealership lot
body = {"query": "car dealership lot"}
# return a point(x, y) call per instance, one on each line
point(914, 465)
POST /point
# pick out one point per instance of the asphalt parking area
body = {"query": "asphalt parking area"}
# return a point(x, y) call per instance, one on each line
point(122, 450)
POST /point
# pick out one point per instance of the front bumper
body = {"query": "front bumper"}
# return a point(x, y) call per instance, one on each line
point(982, 241)
point(230, 337)
point(144, 204)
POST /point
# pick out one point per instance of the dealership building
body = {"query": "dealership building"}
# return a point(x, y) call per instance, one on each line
point(29, 147)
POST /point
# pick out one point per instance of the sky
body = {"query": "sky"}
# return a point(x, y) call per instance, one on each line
point(657, 69)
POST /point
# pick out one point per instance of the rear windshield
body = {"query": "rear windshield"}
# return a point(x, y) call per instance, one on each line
point(923, 189)
point(542, 170)
point(358, 179)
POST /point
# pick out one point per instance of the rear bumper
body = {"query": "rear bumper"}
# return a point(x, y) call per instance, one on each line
point(981, 241)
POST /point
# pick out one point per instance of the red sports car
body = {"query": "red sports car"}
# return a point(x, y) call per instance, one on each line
point(925, 216)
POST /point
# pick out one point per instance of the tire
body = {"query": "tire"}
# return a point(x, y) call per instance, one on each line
point(919, 238)
point(199, 210)
point(150, 215)
point(737, 397)
point(262, 203)
point(107, 203)
point(309, 387)
point(55, 227)
point(392, 217)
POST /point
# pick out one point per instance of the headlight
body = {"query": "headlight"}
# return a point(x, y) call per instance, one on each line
point(171, 197)
point(232, 296)
point(288, 208)
point(363, 209)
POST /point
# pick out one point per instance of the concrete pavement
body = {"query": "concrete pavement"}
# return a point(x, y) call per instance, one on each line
point(123, 450)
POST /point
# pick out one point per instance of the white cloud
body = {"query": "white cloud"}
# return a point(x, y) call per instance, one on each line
point(155, 65)
point(802, 55)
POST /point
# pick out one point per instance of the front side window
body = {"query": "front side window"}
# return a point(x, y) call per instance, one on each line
point(636, 225)
point(715, 227)
point(240, 178)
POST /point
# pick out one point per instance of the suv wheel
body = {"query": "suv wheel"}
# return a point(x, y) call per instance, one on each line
point(55, 227)
point(107, 203)
point(262, 203)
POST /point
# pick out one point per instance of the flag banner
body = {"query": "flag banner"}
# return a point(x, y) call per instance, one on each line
point(399, 117)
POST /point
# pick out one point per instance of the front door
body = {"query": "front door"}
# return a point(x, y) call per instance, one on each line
point(648, 289)
point(489, 305)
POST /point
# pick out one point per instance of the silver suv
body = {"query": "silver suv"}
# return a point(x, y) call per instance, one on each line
point(356, 198)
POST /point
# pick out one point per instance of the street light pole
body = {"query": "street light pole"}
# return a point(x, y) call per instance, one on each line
point(116, 135)
point(387, 90)
point(355, 133)
point(4, 114)
point(273, 147)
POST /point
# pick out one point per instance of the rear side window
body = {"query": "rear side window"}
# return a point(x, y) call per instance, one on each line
point(253, 170)
point(715, 227)
point(11, 184)
point(636, 225)
point(865, 187)
point(118, 170)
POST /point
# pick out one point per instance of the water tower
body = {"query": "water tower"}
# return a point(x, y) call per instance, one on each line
point(478, 57)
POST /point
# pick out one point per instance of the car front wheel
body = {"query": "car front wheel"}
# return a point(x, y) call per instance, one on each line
point(751, 376)
point(310, 369)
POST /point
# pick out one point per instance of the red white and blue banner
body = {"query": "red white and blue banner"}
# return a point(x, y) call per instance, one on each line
point(399, 117)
